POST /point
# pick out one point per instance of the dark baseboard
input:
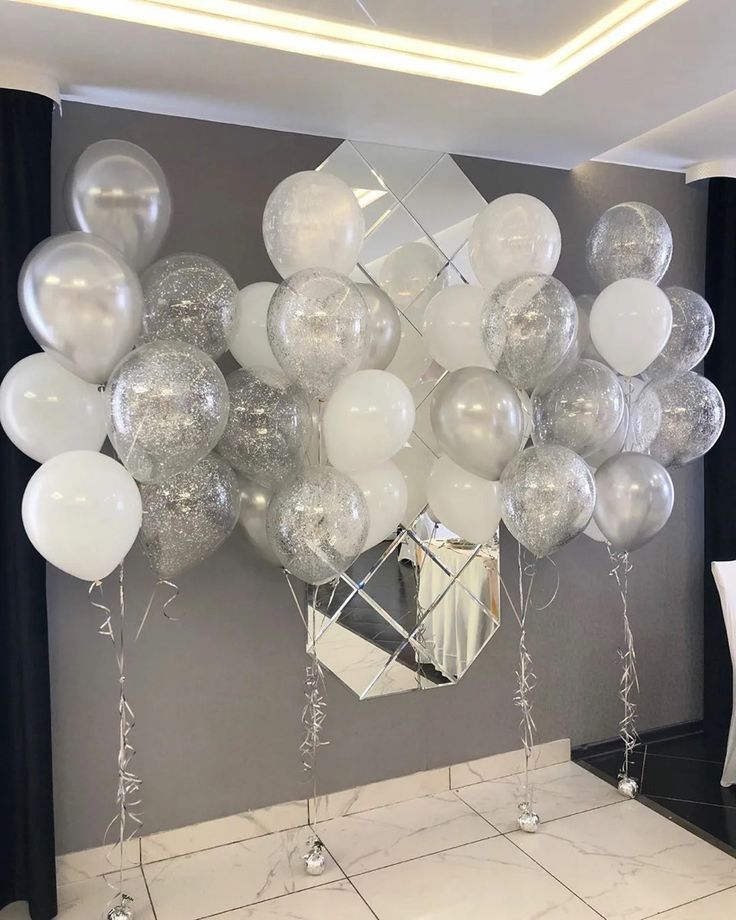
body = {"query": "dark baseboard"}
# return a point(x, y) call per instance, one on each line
point(612, 745)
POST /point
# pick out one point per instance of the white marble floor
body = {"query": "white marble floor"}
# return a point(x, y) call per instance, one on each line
point(449, 856)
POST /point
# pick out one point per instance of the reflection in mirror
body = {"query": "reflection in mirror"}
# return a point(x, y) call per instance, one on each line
point(416, 610)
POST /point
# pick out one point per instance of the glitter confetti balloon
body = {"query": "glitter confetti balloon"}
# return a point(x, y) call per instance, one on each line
point(582, 410)
point(693, 328)
point(318, 523)
point(269, 426)
point(186, 518)
point(318, 327)
point(676, 421)
point(528, 325)
point(168, 407)
point(629, 240)
point(191, 298)
point(547, 496)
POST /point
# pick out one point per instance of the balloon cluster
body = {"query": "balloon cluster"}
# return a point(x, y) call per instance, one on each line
point(604, 385)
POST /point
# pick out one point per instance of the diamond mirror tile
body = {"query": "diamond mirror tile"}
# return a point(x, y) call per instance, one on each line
point(415, 611)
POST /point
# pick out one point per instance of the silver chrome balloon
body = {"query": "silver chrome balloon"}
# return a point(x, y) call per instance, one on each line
point(693, 328)
point(676, 421)
point(478, 420)
point(634, 499)
point(629, 240)
point(318, 327)
point(168, 407)
point(191, 298)
point(582, 410)
point(269, 427)
point(117, 191)
point(317, 524)
point(254, 501)
point(384, 328)
point(186, 518)
point(81, 302)
point(528, 326)
point(548, 495)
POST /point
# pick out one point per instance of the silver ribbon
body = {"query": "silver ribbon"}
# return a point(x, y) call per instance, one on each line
point(174, 589)
point(127, 820)
point(629, 684)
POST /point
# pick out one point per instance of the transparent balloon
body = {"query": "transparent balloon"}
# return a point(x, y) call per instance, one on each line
point(247, 338)
point(408, 271)
point(463, 502)
point(191, 298)
point(547, 497)
point(384, 328)
point(119, 192)
point(582, 410)
point(528, 326)
point(313, 220)
point(693, 328)
point(186, 518)
point(167, 408)
point(676, 421)
point(269, 426)
point(415, 463)
point(478, 420)
point(254, 501)
point(81, 302)
point(318, 328)
point(634, 500)
point(629, 240)
point(318, 523)
point(452, 327)
point(514, 235)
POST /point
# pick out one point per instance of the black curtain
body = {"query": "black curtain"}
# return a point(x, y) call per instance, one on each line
point(26, 800)
point(720, 484)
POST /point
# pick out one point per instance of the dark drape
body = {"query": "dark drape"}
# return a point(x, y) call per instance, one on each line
point(26, 801)
point(720, 481)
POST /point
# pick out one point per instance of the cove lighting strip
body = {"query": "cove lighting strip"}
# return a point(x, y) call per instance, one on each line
point(250, 24)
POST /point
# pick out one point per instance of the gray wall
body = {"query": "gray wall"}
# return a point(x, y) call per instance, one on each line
point(218, 696)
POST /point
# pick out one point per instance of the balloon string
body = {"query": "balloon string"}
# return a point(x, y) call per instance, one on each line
point(129, 784)
point(526, 680)
point(164, 607)
point(629, 684)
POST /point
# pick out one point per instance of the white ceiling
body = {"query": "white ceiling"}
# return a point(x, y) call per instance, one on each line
point(629, 106)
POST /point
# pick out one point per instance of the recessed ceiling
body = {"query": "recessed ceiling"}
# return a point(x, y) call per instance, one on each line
point(457, 59)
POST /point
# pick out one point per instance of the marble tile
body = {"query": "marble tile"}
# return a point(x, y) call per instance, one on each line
point(498, 765)
point(721, 906)
point(627, 861)
point(490, 879)
point(561, 790)
point(385, 792)
point(237, 875)
point(216, 833)
point(87, 899)
point(394, 833)
point(85, 864)
point(18, 910)
point(338, 901)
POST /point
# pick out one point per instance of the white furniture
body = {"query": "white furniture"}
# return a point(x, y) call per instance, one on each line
point(724, 574)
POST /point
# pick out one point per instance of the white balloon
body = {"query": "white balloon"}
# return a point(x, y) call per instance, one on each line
point(463, 502)
point(46, 410)
point(412, 359)
point(514, 235)
point(407, 271)
point(247, 338)
point(415, 463)
point(82, 511)
point(367, 420)
point(630, 322)
point(313, 220)
point(452, 327)
point(386, 495)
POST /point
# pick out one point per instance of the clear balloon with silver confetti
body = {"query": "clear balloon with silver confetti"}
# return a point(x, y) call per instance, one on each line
point(528, 326)
point(629, 240)
point(676, 421)
point(186, 518)
point(189, 297)
point(317, 524)
point(548, 496)
point(269, 427)
point(319, 330)
point(693, 328)
point(167, 408)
